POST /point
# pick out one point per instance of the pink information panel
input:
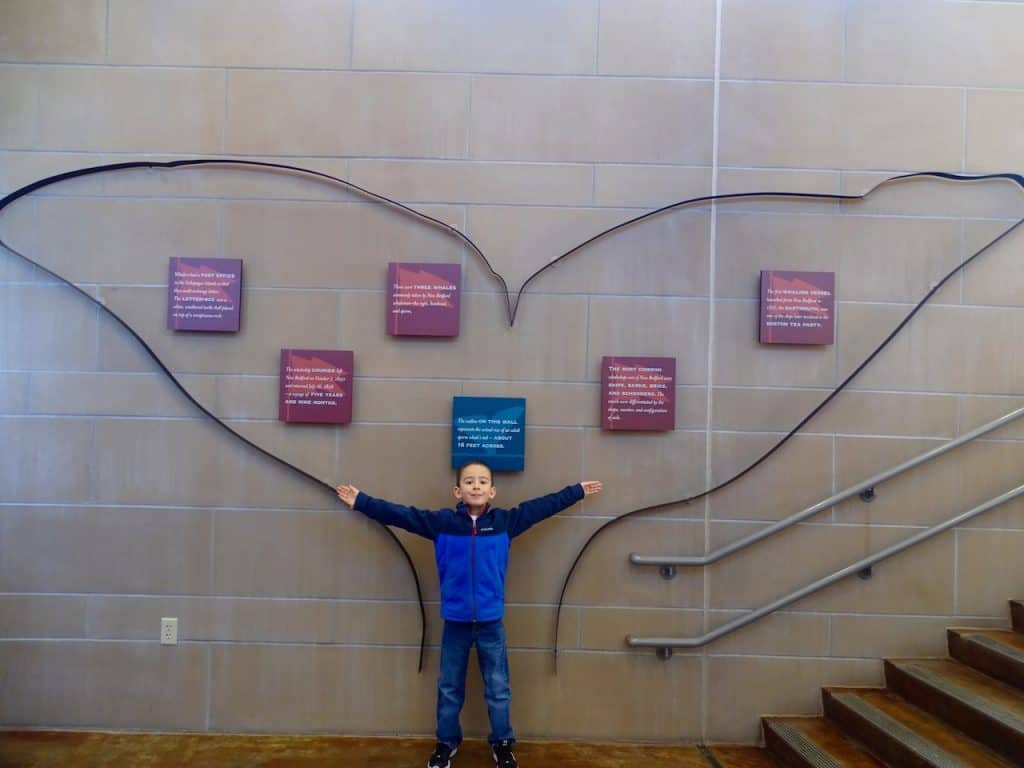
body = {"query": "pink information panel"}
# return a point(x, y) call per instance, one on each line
point(638, 393)
point(797, 307)
point(316, 386)
point(204, 294)
point(423, 299)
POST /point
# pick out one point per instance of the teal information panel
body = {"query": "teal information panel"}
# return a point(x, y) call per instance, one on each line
point(489, 429)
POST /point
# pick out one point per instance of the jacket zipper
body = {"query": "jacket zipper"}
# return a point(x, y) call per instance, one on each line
point(472, 570)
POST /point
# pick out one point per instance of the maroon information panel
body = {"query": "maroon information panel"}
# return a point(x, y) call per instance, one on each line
point(423, 299)
point(798, 307)
point(316, 386)
point(204, 294)
point(638, 393)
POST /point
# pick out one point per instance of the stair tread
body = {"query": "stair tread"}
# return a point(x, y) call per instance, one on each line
point(1003, 636)
point(826, 737)
point(924, 725)
point(998, 653)
point(969, 685)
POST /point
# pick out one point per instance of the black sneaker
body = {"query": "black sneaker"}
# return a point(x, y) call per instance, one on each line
point(504, 757)
point(442, 757)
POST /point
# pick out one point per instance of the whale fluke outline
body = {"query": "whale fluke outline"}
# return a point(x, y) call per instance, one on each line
point(512, 308)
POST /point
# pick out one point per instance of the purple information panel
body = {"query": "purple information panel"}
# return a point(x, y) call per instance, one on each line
point(423, 299)
point(204, 294)
point(638, 393)
point(797, 307)
point(316, 386)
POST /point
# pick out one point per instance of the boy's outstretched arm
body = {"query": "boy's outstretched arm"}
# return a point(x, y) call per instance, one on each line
point(532, 512)
point(418, 521)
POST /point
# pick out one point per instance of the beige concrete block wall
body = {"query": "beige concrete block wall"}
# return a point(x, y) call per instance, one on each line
point(529, 126)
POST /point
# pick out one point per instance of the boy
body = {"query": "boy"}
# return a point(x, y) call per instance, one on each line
point(471, 544)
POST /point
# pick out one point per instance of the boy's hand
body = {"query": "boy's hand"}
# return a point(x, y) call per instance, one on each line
point(348, 493)
point(591, 487)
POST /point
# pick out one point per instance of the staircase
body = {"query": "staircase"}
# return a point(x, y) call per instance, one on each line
point(967, 710)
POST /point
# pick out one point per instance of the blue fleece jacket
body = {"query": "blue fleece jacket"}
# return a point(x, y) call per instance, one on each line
point(472, 557)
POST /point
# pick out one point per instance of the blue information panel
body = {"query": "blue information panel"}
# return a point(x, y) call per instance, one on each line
point(491, 429)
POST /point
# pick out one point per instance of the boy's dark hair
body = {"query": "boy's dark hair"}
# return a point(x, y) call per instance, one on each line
point(470, 463)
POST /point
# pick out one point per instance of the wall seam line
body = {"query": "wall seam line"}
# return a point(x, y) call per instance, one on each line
point(710, 364)
point(467, 150)
point(106, 36)
point(963, 130)
point(225, 114)
point(209, 685)
point(352, 34)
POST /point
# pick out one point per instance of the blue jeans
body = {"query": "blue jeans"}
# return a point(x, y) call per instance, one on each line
point(491, 652)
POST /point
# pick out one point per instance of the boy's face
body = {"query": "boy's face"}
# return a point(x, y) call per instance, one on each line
point(476, 487)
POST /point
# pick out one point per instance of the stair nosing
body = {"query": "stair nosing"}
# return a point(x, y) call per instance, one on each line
point(974, 702)
point(991, 644)
point(804, 746)
point(908, 738)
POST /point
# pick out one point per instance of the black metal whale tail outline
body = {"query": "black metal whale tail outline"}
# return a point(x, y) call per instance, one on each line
point(28, 189)
point(1016, 178)
point(512, 307)
point(174, 164)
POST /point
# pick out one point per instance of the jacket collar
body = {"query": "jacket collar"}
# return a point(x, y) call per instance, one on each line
point(463, 509)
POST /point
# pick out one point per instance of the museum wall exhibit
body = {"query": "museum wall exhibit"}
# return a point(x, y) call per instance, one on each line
point(419, 233)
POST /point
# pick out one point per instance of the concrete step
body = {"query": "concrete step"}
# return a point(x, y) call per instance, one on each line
point(986, 709)
point(901, 734)
point(813, 742)
point(999, 653)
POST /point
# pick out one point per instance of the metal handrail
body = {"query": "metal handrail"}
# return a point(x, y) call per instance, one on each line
point(666, 644)
point(670, 562)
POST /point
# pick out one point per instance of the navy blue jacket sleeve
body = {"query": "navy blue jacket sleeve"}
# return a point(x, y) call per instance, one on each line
point(419, 521)
point(531, 512)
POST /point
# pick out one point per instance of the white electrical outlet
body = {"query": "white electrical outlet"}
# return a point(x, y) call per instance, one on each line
point(168, 631)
